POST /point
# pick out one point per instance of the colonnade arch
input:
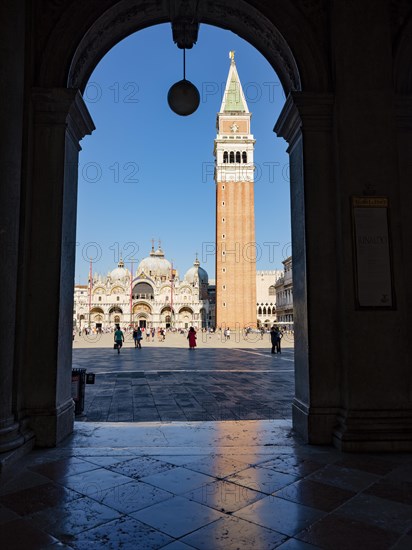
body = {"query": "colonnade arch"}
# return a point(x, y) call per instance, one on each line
point(60, 84)
point(330, 404)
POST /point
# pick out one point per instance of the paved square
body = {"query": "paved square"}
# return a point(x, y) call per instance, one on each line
point(165, 381)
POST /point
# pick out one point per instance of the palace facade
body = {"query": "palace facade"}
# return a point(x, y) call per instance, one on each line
point(266, 306)
point(284, 294)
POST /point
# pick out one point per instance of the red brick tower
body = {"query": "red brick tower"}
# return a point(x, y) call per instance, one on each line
point(235, 217)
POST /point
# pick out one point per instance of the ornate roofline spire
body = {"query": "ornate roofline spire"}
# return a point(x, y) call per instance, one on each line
point(233, 99)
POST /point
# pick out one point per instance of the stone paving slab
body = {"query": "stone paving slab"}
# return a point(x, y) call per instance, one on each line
point(166, 383)
point(248, 485)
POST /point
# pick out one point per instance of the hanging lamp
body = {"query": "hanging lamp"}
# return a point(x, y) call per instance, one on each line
point(183, 97)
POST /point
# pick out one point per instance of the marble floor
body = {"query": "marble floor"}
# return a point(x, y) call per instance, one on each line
point(212, 485)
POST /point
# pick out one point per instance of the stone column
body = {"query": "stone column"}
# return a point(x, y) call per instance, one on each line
point(353, 366)
point(403, 111)
point(376, 412)
point(11, 120)
point(306, 124)
point(59, 121)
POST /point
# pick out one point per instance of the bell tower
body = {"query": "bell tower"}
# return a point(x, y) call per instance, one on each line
point(235, 216)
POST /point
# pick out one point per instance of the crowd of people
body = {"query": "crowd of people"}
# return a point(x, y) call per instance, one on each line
point(150, 334)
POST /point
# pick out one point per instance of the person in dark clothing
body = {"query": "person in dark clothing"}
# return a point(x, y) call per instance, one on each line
point(280, 336)
point(139, 337)
point(274, 338)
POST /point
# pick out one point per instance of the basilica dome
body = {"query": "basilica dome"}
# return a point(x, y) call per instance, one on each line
point(119, 273)
point(196, 273)
point(155, 265)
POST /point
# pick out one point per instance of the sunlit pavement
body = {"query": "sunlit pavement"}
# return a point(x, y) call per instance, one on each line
point(247, 485)
point(237, 379)
point(206, 485)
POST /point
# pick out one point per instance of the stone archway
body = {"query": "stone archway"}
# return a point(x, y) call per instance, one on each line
point(115, 315)
point(353, 141)
point(322, 133)
point(61, 120)
point(185, 317)
point(166, 316)
point(73, 50)
point(96, 316)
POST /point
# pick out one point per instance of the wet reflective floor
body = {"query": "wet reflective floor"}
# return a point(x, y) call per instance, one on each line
point(206, 485)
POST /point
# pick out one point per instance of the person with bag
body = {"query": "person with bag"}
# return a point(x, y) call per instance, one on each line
point(118, 338)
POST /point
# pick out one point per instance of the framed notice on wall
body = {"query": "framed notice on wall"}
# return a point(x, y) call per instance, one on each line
point(372, 253)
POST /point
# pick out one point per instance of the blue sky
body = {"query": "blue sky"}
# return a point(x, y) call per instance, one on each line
point(146, 172)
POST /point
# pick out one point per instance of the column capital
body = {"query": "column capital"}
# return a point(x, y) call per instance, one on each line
point(305, 111)
point(63, 106)
point(403, 112)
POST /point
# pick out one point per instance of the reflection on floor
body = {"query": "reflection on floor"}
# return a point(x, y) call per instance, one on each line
point(207, 485)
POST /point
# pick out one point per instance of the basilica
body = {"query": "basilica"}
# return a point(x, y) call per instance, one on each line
point(153, 296)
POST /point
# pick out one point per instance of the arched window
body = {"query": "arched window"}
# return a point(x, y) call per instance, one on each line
point(225, 157)
point(272, 290)
point(238, 157)
point(231, 157)
point(269, 311)
point(142, 290)
point(244, 157)
point(260, 311)
point(264, 311)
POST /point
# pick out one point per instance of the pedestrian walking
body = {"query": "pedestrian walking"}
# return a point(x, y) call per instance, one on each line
point(275, 339)
point(118, 338)
point(139, 337)
point(280, 336)
point(135, 337)
point(192, 338)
